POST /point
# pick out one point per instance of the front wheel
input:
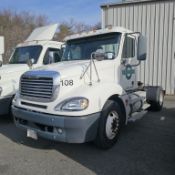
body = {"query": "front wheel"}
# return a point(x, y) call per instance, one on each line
point(109, 125)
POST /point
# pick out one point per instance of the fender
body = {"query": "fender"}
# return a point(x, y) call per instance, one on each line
point(97, 94)
point(107, 90)
point(9, 88)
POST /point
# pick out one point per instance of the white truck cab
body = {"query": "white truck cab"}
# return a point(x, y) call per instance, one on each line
point(91, 94)
point(38, 50)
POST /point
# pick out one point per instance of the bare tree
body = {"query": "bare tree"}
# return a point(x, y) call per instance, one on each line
point(64, 29)
point(71, 27)
point(97, 26)
point(16, 27)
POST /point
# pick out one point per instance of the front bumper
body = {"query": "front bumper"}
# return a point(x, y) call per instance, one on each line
point(5, 105)
point(74, 129)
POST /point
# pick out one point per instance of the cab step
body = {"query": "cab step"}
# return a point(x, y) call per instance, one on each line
point(137, 115)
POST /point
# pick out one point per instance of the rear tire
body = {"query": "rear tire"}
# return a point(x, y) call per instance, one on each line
point(109, 125)
point(155, 97)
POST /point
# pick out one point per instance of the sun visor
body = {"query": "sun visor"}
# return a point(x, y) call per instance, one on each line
point(43, 33)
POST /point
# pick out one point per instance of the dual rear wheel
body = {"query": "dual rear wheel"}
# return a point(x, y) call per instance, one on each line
point(155, 97)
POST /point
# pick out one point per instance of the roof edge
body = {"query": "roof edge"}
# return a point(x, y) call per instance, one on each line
point(131, 2)
point(116, 29)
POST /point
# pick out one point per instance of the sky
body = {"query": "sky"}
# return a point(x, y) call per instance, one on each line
point(86, 11)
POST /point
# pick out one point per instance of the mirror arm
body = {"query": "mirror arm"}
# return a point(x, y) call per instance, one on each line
point(123, 61)
point(91, 63)
point(135, 65)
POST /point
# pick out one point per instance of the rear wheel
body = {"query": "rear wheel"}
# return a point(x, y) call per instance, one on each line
point(109, 125)
point(155, 97)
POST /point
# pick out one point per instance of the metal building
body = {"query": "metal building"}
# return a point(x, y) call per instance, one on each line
point(156, 20)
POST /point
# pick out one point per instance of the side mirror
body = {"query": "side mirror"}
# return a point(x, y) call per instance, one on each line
point(142, 48)
point(98, 56)
point(1, 49)
point(110, 55)
point(30, 62)
point(1, 45)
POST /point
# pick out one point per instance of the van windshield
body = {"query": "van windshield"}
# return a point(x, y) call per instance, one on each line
point(22, 54)
point(81, 49)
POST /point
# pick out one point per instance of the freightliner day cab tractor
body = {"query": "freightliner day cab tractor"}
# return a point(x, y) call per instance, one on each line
point(1, 49)
point(91, 93)
point(38, 50)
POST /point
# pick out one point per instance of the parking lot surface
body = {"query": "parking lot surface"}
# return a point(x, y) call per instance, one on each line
point(145, 147)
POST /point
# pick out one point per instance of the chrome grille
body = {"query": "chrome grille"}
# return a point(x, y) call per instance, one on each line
point(36, 87)
point(40, 85)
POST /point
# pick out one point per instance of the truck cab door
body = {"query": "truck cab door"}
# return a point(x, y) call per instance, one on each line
point(129, 58)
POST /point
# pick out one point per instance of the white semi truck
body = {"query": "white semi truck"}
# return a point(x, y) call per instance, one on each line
point(91, 94)
point(38, 50)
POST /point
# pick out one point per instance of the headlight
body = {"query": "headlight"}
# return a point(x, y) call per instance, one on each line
point(73, 104)
point(0, 90)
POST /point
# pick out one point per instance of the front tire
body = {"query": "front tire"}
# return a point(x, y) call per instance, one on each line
point(109, 125)
point(10, 109)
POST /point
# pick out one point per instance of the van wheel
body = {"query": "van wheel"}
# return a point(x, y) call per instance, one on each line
point(155, 97)
point(109, 125)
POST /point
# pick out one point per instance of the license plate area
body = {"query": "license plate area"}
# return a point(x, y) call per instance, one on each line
point(32, 134)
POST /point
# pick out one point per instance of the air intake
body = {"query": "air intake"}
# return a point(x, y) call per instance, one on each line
point(39, 85)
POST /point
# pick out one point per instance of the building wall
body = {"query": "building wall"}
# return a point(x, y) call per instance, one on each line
point(155, 20)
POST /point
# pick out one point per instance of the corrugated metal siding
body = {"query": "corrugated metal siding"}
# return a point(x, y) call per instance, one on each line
point(173, 52)
point(156, 20)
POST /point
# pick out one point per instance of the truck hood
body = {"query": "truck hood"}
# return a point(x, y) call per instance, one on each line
point(67, 68)
point(75, 69)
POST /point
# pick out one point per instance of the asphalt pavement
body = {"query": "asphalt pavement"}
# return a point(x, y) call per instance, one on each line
point(145, 147)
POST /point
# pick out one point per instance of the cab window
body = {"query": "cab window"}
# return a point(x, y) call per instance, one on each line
point(22, 54)
point(129, 48)
point(52, 56)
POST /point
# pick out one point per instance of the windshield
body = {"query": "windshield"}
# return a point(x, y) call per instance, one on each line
point(81, 49)
point(22, 54)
